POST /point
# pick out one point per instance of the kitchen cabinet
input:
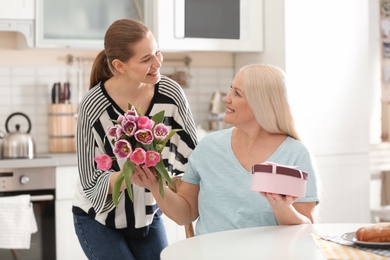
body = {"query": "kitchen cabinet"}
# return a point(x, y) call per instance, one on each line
point(200, 26)
point(67, 244)
point(209, 25)
point(178, 25)
point(81, 23)
point(18, 16)
point(17, 9)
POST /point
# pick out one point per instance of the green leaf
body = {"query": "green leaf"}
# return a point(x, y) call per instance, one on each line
point(159, 147)
point(160, 167)
point(128, 169)
point(171, 133)
point(159, 117)
point(116, 188)
point(125, 174)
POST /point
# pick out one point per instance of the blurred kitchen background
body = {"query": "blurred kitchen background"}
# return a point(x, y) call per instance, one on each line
point(27, 87)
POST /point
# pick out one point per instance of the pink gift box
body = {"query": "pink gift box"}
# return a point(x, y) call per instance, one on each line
point(280, 179)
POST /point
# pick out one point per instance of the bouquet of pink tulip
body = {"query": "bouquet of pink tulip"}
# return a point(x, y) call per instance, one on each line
point(139, 140)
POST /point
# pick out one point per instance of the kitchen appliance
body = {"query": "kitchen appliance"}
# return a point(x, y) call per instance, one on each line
point(18, 144)
point(209, 25)
point(40, 184)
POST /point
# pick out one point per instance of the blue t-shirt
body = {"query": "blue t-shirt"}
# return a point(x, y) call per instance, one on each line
point(225, 200)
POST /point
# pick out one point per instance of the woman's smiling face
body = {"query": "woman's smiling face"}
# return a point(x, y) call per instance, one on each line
point(238, 111)
point(145, 65)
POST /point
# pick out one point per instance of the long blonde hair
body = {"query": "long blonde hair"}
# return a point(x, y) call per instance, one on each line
point(265, 90)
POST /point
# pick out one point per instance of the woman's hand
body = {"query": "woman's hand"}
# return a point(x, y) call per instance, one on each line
point(277, 200)
point(145, 177)
point(289, 212)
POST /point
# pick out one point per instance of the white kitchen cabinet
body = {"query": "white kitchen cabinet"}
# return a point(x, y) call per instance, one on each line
point(67, 244)
point(18, 16)
point(17, 9)
point(81, 23)
point(212, 25)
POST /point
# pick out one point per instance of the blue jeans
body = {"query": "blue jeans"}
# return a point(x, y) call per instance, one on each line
point(101, 242)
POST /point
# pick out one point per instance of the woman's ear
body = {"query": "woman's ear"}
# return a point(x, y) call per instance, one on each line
point(118, 65)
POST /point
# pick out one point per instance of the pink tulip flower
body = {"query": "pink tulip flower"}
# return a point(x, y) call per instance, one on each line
point(144, 122)
point(121, 118)
point(131, 114)
point(129, 127)
point(122, 149)
point(152, 158)
point(144, 136)
point(160, 132)
point(111, 131)
point(103, 161)
point(115, 131)
point(138, 156)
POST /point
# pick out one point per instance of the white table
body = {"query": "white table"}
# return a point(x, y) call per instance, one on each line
point(277, 242)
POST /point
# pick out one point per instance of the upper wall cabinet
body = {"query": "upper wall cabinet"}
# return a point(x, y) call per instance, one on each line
point(17, 9)
point(209, 25)
point(81, 23)
point(18, 16)
point(178, 25)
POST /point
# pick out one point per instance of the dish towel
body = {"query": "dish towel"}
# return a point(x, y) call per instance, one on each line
point(334, 247)
point(17, 222)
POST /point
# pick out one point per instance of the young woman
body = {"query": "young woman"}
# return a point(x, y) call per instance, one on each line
point(126, 71)
point(215, 187)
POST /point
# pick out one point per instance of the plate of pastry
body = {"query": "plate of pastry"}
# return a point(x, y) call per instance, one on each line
point(373, 236)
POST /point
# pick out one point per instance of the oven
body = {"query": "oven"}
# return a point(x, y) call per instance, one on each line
point(40, 184)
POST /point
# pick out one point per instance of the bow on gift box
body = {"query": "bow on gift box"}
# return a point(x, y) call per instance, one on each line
point(276, 168)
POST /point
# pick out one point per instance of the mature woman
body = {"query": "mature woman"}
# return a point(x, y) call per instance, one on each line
point(216, 183)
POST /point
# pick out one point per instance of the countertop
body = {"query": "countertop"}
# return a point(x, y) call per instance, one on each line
point(42, 160)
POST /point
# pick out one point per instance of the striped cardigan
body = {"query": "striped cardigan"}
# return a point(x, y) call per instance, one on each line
point(94, 116)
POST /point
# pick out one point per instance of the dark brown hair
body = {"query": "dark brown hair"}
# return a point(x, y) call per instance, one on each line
point(118, 41)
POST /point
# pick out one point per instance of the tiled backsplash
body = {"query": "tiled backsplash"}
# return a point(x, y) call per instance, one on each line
point(27, 89)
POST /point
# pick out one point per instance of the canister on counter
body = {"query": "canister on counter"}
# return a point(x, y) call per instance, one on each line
point(62, 128)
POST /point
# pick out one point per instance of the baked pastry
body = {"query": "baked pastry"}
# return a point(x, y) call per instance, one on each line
point(374, 233)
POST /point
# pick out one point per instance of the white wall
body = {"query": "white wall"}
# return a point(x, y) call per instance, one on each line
point(375, 131)
point(330, 72)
